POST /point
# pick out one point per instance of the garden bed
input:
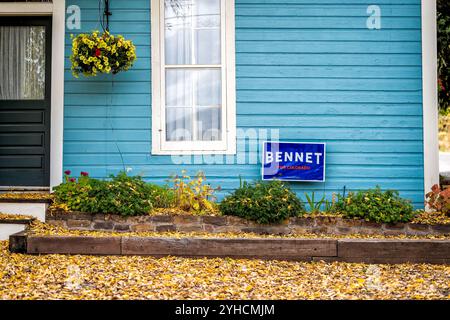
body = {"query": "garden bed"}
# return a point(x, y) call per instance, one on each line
point(328, 224)
point(44, 238)
point(379, 251)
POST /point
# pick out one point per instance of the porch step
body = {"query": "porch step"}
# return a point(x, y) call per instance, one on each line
point(9, 227)
point(24, 203)
point(24, 189)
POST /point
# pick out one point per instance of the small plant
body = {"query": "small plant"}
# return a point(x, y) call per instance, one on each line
point(94, 53)
point(439, 200)
point(315, 206)
point(193, 194)
point(375, 205)
point(263, 202)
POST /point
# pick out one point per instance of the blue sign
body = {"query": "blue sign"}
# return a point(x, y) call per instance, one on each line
point(294, 161)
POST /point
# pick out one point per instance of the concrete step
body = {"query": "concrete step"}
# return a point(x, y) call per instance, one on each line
point(36, 208)
point(12, 226)
point(24, 189)
point(7, 229)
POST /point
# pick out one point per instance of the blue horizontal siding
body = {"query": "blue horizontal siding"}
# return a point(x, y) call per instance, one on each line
point(310, 68)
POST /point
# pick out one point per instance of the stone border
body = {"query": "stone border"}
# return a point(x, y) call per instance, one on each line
point(328, 250)
point(221, 224)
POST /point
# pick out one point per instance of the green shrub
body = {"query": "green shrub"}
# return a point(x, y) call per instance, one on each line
point(121, 194)
point(375, 205)
point(162, 197)
point(263, 202)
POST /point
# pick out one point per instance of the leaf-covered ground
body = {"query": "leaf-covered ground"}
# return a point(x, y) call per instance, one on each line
point(43, 229)
point(88, 277)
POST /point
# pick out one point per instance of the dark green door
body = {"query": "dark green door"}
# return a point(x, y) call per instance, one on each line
point(25, 68)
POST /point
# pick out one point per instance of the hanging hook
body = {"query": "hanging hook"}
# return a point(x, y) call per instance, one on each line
point(107, 13)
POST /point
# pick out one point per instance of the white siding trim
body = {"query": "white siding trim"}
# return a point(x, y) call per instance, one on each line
point(57, 113)
point(158, 96)
point(430, 100)
point(58, 13)
point(26, 8)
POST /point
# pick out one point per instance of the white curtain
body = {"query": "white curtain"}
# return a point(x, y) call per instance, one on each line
point(193, 95)
point(22, 63)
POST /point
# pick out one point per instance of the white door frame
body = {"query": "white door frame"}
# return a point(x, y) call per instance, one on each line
point(430, 97)
point(56, 9)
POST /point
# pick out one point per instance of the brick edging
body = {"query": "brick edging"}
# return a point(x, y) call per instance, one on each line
point(380, 251)
point(220, 224)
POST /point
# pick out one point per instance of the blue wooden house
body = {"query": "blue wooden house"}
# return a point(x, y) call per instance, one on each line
point(213, 79)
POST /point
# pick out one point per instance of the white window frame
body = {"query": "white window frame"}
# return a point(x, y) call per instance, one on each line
point(228, 143)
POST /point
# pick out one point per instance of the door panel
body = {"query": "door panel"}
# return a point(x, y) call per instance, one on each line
point(25, 64)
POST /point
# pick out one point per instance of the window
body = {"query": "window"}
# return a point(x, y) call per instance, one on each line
point(22, 62)
point(193, 77)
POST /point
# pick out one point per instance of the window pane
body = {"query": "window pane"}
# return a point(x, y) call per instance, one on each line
point(192, 32)
point(193, 105)
point(209, 126)
point(22, 63)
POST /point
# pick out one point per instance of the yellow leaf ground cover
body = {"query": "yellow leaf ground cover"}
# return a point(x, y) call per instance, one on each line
point(10, 217)
point(26, 196)
point(88, 277)
point(42, 229)
point(432, 218)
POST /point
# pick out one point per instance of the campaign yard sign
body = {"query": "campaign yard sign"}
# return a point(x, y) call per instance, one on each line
point(294, 161)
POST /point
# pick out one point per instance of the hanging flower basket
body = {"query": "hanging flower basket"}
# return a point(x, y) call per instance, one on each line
point(94, 53)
